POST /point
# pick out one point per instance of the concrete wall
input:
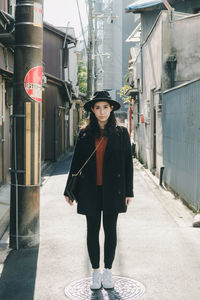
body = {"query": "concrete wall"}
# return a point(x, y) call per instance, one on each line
point(181, 141)
point(187, 48)
point(148, 18)
point(152, 59)
point(151, 83)
point(164, 40)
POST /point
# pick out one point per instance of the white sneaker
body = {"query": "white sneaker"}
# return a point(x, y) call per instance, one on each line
point(107, 279)
point(96, 280)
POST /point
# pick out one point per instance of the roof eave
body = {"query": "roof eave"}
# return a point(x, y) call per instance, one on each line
point(54, 29)
point(130, 10)
point(140, 10)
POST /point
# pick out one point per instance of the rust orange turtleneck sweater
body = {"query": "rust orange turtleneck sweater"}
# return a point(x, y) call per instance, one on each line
point(99, 157)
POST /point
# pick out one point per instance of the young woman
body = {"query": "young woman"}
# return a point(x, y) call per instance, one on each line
point(106, 186)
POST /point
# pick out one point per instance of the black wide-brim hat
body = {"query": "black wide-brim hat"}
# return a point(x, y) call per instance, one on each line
point(101, 96)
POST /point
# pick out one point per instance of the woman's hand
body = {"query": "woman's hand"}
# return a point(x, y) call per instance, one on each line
point(128, 200)
point(68, 200)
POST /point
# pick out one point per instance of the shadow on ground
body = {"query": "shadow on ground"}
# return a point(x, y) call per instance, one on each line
point(17, 280)
point(61, 167)
point(112, 294)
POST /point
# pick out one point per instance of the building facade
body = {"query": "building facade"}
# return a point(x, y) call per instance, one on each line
point(6, 87)
point(164, 60)
point(57, 96)
point(59, 89)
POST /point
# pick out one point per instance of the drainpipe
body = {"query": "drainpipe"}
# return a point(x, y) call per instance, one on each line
point(169, 8)
point(63, 49)
point(161, 175)
point(141, 55)
point(171, 65)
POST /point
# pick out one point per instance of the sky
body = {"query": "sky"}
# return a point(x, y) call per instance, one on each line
point(65, 12)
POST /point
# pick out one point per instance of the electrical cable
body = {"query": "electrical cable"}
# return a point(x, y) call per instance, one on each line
point(16, 182)
point(83, 33)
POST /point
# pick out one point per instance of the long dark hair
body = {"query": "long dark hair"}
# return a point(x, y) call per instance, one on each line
point(94, 129)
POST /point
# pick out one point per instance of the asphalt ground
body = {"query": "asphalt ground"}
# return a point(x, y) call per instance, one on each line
point(157, 246)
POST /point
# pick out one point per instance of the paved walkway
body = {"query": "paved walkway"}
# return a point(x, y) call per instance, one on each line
point(157, 246)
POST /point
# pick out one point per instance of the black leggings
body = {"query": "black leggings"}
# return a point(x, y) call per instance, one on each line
point(93, 227)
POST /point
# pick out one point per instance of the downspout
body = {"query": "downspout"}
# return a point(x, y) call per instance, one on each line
point(141, 55)
point(161, 175)
point(171, 65)
point(64, 46)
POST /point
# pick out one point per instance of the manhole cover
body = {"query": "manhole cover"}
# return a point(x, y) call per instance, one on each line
point(125, 288)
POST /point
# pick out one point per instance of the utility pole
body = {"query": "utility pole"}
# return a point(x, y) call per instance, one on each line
point(90, 70)
point(26, 125)
point(95, 54)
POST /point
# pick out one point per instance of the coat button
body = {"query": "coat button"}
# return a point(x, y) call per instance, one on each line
point(119, 192)
point(118, 175)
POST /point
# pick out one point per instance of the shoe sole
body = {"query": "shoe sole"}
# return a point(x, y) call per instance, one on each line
point(108, 288)
point(92, 289)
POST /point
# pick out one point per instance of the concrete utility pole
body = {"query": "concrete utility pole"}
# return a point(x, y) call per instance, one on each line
point(26, 125)
point(95, 55)
point(90, 71)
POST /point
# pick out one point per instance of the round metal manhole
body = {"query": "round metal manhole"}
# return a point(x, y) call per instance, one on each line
point(125, 288)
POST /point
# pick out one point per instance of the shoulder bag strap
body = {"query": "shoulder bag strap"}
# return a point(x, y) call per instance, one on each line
point(76, 174)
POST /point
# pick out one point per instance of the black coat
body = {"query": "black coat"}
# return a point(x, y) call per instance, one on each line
point(117, 172)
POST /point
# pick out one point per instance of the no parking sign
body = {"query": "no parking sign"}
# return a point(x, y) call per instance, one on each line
point(33, 83)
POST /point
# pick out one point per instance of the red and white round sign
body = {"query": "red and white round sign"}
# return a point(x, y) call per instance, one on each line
point(33, 83)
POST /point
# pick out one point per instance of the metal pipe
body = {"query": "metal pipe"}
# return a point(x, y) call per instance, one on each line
point(161, 174)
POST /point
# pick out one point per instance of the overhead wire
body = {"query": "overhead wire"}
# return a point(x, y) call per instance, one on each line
point(83, 33)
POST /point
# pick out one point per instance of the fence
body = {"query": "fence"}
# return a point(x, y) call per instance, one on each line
point(181, 141)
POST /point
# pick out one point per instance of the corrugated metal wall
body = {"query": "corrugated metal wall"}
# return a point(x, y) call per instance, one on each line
point(181, 141)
